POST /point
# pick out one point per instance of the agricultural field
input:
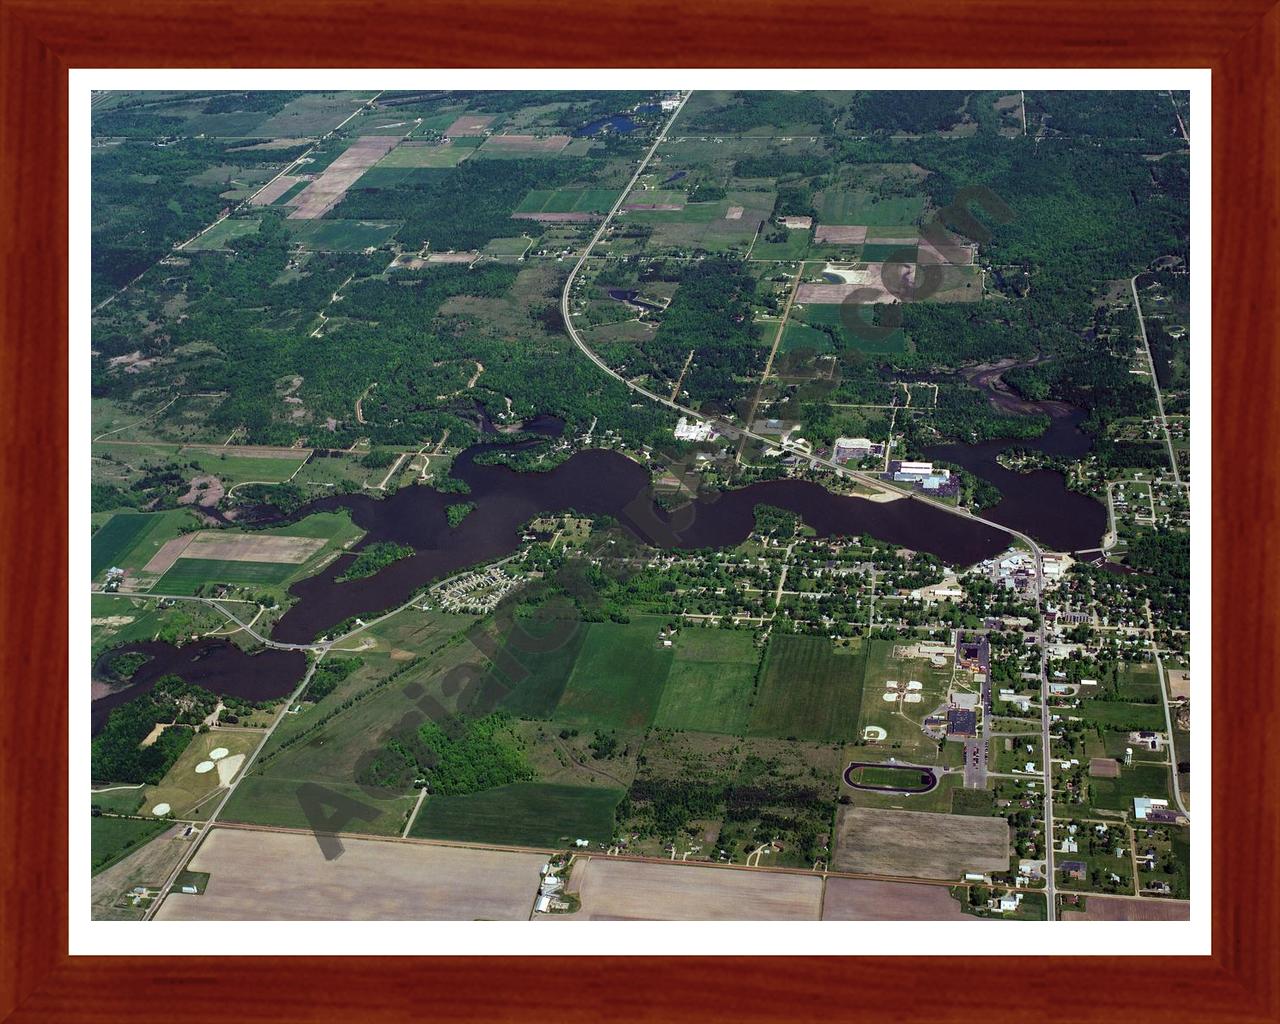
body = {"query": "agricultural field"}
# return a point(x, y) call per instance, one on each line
point(859, 899)
point(1135, 780)
point(284, 877)
point(113, 839)
point(710, 685)
point(342, 235)
point(919, 844)
point(617, 890)
point(809, 689)
point(129, 540)
point(523, 814)
point(618, 677)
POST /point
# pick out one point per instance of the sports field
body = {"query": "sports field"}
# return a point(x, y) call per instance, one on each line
point(618, 678)
point(523, 814)
point(902, 720)
point(809, 689)
point(710, 684)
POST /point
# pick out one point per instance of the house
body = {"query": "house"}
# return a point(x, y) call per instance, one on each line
point(1076, 870)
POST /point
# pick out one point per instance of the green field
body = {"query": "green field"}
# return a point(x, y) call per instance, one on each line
point(410, 155)
point(112, 839)
point(861, 207)
point(568, 200)
point(341, 235)
point(801, 336)
point(188, 574)
point(116, 537)
point(1114, 714)
point(223, 232)
point(877, 253)
point(794, 248)
point(232, 469)
point(272, 800)
point(821, 315)
point(1135, 780)
point(618, 678)
point(129, 539)
point(1138, 682)
point(710, 684)
point(536, 678)
point(523, 814)
point(809, 690)
point(902, 721)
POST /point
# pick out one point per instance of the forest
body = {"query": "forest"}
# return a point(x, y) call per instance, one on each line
point(117, 754)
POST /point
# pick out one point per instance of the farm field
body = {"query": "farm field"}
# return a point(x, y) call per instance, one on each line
point(190, 574)
point(1129, 908)
point(130, 539)
point(919, 844)
point(113, 839)
point(568, 200)
point(871, 340)
point(535, 679)
point(522, 814)
point(342, 235)
point(710, 684)
point(809, 689)
point(618, 677)
point(277, 876)
point(415, 154)
point(860, 207)
point(618, 890)
point(861, 899)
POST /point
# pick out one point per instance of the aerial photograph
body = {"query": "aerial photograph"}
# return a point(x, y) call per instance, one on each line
point(646, 505)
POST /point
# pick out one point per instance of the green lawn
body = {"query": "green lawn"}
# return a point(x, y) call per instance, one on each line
point(809, 690)
point(523, 814)
point(710, 685)
point(618, 679)
point(189, 573)
point(1114, 714)
point(112, 839)
point(275, 800)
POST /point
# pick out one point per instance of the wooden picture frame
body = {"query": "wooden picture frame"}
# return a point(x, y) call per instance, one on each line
point(41, 39)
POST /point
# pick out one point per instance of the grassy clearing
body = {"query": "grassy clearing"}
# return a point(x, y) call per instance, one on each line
point(618, 678)
point(113, 839)
point(419, 155)
point(809, 690)
point(223, 232)
point(272, 800)
point(863, 341)
point(341, 235)
point(1114, 714)
point(855, 206)
point(524, 814)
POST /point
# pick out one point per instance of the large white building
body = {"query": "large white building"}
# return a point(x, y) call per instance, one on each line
point(698, 430)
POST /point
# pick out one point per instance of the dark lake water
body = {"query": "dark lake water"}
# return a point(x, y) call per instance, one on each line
point(1038, 502)
point(591, 483)
point(217, 664)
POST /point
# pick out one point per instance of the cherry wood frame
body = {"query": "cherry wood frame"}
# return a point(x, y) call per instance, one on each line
point(41, 39)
